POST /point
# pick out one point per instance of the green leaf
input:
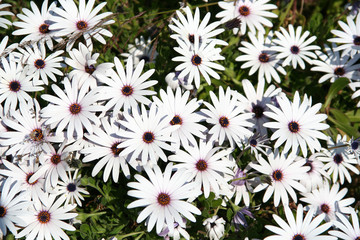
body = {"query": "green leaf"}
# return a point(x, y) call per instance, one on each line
point(345, 127)
point(339, 84)
point(83, 216)
point(354, 116)
point(229, 214)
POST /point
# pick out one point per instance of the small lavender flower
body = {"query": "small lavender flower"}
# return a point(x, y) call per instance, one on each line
point(239, 218)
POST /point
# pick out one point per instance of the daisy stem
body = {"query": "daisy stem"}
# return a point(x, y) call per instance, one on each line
point(132, 234)
point(344, 145)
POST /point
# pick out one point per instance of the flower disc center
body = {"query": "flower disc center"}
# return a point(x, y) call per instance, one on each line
point(43, 217)
point(28, 176)
point(338, 158)
point(201, 165)
point(298, 237)
point(253, 142)
point(264, 57)
point(37, 135)
point(163, 199)
point(244, 11)
point(90, 69)
point(81, 25)
point(224, 121)
point(148, 137)
point(354, 145)
point(325, 208)
point(277, 175)
point(294, 49)
point(55, 159)
point(356, 40)
point(39, 63)
point(115, 150)
point(75, 108)
point(71, 187)
point(339, 71)
point(14, 86)
point(176, 120)
point(2, 211)
point(293, 127)
point(127, 90)
point(44, 28)
point(196, 60)
point(258, 110)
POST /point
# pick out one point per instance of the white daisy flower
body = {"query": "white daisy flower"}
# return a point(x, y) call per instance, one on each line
point(182, 113)
point(349, 37)
point(207, 164)
point(84, 66)
point(199, 60)
point(3, 21)
point(255, 101)
point(186, 29)
point(126, 89)
point(40, 66)
point(261, 57)
point(35, 24)
point(338, 161)
point(252, 14)
point(34, 190)
point(355, 86)
point(299, 228)
point(164, 198)
point(13, 204)
point(335, 66)
point(239, 184)
point(173, 81)
point(228, 118)
point(214, 227)
point(316, 175)
point(54, 164)
point(146, 135)
point(14, 85)
point(46, 220)
point(284, 173)
point(71, 189)
point(141, 51)
point(27, 133)
point(73, 109)
point(294, 47)
point(106, 151)
point(297, 123)
point(328, 201)
point(81, 20)
point(346, 230)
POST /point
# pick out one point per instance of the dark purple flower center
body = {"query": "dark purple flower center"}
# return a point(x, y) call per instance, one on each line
point(309, 164)
point(44, 28)
point(339, 71)
point(176, 120)
point(36, 135)
point(43, 217)
point(264, 57)
point(90, 69)
point(338, 158)
point(28, 176)
point(244, 11)
point(163, 199)
point(258, 111)
point(55, 159)
point(196, 60)
point(294, 49)
point(148, 137)
point(277, 175)
point(325, 208)
point(81, 25)
point(39, 63)
point(354, 145)
point(127, 90)
point(145, 58)
point(293, 127)
point(201, 165)
point(75, 108)
point(71, 187)
point(253, 142)
point(115, 150)
point(14, 86)
point(2, 211)
point(224, 121)
point(356, 40)
point(298, 237)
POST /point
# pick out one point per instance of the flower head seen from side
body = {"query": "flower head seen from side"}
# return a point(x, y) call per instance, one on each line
point(73, 109)
point(284, 173)
point(229, 119)
point(260, 56)
point(345, 230)
point(328, 200)
point(207, 165)
point(40, 66)
point(147, 134)
point(13, 205)
point(105, 151)
point(239, 184)
point(255, 101)
point(297, 123)
point(183, 114)
point(294, 47)
point(252, 14)
point(177, 234)
point(84, 67)
point(46, 219)
point(81, 20)
point(316, 175)
point(174, 81)
point(164, 197)
point(14, 85)
point(335, 66)
point(215, 227)
point(338, 161)
point(349, 37)
point(299, 228)
point(198, 61)
point(141, 50)
point(126, 89)
point(71, 189)
point(35, 24)
point(186, 28)
point(354, 148)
